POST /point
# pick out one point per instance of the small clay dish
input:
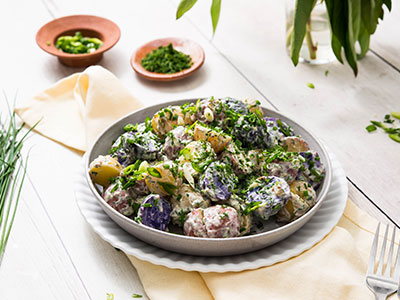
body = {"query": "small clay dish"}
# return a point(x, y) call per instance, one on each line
point(90, 26)
point(185, 46)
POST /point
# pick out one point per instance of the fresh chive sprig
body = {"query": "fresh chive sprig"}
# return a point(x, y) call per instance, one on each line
point(12, 173)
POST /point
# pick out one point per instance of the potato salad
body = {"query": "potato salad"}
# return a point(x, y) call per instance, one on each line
point(216, 168)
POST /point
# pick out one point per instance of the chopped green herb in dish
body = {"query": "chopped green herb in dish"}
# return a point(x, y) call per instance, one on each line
point(78, 44)
point(166, 60)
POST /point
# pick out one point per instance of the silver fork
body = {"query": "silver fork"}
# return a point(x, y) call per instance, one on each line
point(383, 284)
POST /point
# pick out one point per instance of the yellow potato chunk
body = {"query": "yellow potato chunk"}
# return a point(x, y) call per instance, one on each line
point(218, 140)
point(103, 168)
point(302, 199)
point(295, 144)
point(163, 179)
point(168, 118)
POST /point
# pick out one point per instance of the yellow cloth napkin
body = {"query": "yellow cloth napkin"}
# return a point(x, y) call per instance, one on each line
point(76, 109)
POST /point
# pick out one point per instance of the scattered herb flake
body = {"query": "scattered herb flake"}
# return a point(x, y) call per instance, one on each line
point(395, 114)
point(326, 72)
point(310, 85)
point(391, 130)
point(370, 128)
point(110, 296)
point(137, 296)
point(395, 137)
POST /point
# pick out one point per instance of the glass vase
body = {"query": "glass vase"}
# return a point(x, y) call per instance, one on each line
point(316, 48)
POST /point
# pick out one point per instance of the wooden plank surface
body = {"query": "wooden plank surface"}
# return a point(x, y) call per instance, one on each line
point(36, 265)
point(386, 40)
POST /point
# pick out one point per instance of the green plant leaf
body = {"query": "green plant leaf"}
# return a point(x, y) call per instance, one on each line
point(337, 48)
point(302, 12)
point(353, 15)
point(183, 7)
point(215, 11)
point(338, 20)
point(363, 40)
point(367, 15)
point(388, 4)
point(378, 10)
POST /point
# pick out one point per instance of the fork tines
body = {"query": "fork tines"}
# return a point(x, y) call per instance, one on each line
point(395, 275)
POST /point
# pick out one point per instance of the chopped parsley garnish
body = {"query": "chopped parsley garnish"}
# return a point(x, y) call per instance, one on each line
point(131, 127)
point(147, 123)
point(168, 187)
point(137, 296)
point(115, 187)
point(166, 60)
point(251, 206)
point(224, 215)
point(182, 217)
point(154, 172)
point(285, 129)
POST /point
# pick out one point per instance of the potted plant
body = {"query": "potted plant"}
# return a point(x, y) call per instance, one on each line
point(351, 22)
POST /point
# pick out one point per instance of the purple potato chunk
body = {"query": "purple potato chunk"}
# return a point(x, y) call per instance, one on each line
point(132, 146)
point(218, 181)
point(145, 146)
point(267, 195)
point(237, 106)
point(175, 141)
point(155, 212)
point(121, 150)
point(313, 171)
point(251, 131)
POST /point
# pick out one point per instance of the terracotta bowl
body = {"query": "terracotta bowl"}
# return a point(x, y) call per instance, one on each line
point(186, 46)
point(90, 26)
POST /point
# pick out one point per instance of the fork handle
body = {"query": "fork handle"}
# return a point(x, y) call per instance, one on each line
point(380, 296)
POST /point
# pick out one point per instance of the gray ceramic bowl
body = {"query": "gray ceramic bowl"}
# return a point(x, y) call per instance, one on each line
point(203, 246)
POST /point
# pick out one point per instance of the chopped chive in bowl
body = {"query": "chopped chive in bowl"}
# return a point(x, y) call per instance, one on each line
point(78, 44)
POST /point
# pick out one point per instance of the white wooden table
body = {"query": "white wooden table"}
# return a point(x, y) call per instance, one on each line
point(54, 254)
